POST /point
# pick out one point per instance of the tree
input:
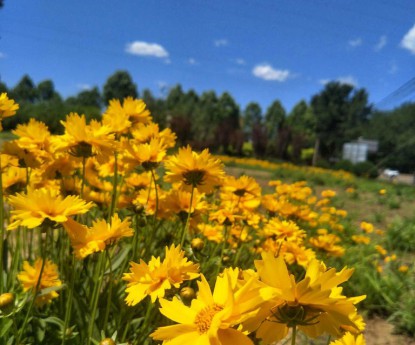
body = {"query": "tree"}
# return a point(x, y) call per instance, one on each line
point(341, 111)
point(228, 127)
point(25, 90)
point(119, 86)
point(252, 116)
point(89, 98)
point(45, 90)
point(274, 120)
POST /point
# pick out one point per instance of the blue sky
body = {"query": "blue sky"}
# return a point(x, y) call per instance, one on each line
point(257, 50)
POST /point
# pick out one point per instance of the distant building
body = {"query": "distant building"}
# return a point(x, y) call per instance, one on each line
point(357, 151)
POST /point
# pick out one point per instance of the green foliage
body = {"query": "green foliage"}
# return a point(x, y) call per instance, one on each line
point(119, 86)
point(365, 169)
point(401, 235)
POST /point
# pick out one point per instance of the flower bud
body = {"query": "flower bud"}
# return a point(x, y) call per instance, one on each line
point(187, 293)
point(6, 302)
point(197, 244)
point(107, 341)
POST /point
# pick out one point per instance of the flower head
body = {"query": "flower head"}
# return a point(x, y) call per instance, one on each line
point(7, 107)
point(87, 240)
point(38, 205)
point(212, 315)
point(157, 276)
point(194, 170)
point(315, 304)
point(29, 279)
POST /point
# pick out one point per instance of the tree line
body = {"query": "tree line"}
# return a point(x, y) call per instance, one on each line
point(338, 114)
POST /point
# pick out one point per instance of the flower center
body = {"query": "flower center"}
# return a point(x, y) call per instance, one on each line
point(194, 177)
point(204, 317)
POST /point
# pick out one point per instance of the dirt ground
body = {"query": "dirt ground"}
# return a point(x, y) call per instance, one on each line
point(380, 332)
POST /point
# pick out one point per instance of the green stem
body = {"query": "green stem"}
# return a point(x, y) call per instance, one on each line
point(109, 295)
point(186, 226)
point(114, 188)
point(95, 296)
point(222, 249)
point(153, 176)
point(68, 308)
point(83, 177)
point(294, 335)
point(32, 302)
point(1, 229)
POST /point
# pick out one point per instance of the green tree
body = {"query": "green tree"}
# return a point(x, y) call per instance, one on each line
point(25, 90)
point(45, 90)
point(252, 115)
point(89, 98)
point(119, 86)
point(341, 111)
point(274, 121)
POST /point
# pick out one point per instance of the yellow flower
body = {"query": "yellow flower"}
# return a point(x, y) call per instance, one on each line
point(382, 251)
point(367, 227)
point(191, 169)
point(315, 304)
point(361, 239)
point(33, 208)
point(327, 243)
point(403, 268)
point(382, 192)
point(120, 118)
point(155, 277)
point(284, 230)
point(211, 316)
point(149, 155)
point(7, 107)
point(50, 278)
point(83, 140)
point(328, 193)
point(350, 339)
point(86, 241)
point(243, 192)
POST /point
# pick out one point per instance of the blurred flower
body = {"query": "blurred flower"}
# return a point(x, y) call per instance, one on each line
point(361, 239)
point(50, 278)
point(367, 227)
point(243, 192)
point(33, 208)
point(7, 107)
point(382, 191)
point(403, 268)
point(156, 277)
point(328, 193)
point(350, 339)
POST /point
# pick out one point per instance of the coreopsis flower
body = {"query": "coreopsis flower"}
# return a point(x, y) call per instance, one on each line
point(14, 180)
point(211, 316)
point(382, 191)
point(177, 202)
point(350, 339)
point(34, 137)
point(213, 233)
point(29, 278)
point(328, 193)
point(139, 181)
point(382, 251)
point(154, 278)
point(403, 268)
point(149, 155)
point(7, 107)
point(120, 118)
point(328, 243)
point(194, 170)
point(85, 140)
point(361, 239)
point(284, 230)
point(26, 158)
point(38, 205)
point(87, 240)
point(314, 305)
point(367, 227)
point(243, 192)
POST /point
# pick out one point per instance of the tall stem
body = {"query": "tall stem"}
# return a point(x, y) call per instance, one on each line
point(114, 188)
point(294, 335)
point(68, 308)
point(109, 295)
point(186, 226)
point(32, 302)
point(1, 229)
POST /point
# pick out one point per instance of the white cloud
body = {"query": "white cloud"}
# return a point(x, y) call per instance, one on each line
point(408, 41)
point(393, 68)
point(192, 61)
point(356, 42)
point(350, 80)
point(221, 42)
point(381, 44)
point(240, 61)
point(267, 72)
point(84, 87)
point(146, 49)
